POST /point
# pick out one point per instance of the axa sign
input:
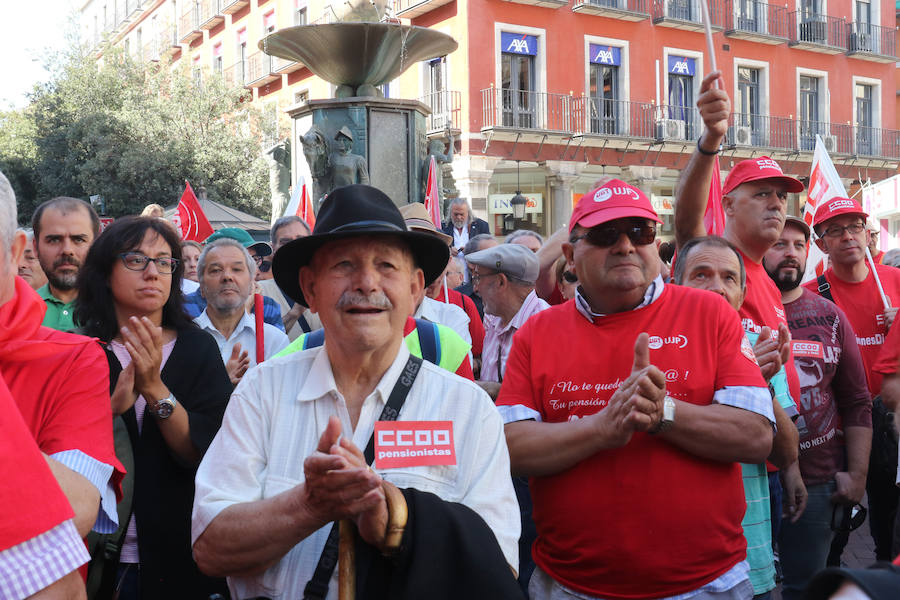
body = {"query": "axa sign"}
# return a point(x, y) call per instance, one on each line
point(518, 43)
point(605, 55)
point(680, 65)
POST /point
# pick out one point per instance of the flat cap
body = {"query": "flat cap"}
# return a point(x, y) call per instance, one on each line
point(513, 260)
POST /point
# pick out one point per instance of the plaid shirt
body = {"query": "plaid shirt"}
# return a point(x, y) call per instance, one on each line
point(194, 304)
point(36, 563)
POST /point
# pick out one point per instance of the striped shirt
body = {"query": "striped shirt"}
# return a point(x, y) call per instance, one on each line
point(498, 338)
point(34, 564)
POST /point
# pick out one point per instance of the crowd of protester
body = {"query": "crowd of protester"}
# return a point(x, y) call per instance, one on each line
point(386, 407)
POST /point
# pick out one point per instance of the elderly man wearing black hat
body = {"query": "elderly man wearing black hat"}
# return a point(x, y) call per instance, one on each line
point(288, 460)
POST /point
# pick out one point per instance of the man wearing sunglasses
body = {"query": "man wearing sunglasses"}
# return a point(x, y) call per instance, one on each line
point(841, 226)
point(632, 445)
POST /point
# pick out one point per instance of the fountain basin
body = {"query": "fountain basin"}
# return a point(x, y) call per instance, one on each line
point(355, 54)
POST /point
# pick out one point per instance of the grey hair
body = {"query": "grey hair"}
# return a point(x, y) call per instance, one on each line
point(459, 201)
point(524, 233)
point(475, 241)
point(278, 224)
point(892, 258)
point(201, 263)
point(8, 217)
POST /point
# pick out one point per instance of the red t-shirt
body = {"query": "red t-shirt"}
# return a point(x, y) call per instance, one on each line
point(862, 304)
point(31, 499)
point(889, 360)
point(646, 519)
point(59, 381)
point(476, 327)
point(762, 307)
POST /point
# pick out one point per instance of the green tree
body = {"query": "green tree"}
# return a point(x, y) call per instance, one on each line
point(132, 132)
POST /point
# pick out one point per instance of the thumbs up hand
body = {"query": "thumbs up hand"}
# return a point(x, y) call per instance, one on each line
point(638, 403)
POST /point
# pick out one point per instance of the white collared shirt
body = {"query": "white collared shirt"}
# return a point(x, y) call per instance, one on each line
point(274, 340)
point(498, 339)
point(275, 418)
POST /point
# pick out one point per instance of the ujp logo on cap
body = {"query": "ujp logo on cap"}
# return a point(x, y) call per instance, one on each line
point(838, 204)
point(768, 163)
point(604, 194)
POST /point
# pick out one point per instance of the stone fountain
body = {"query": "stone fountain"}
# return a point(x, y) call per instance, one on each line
point(359, 136)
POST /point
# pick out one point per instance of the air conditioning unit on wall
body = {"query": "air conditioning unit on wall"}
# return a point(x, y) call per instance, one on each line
point(830, 142)
point(743, 135)
point(670, 129)
point(860, 42)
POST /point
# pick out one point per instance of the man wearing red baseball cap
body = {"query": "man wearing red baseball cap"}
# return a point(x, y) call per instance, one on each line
point(840, 224)
point(632, 456)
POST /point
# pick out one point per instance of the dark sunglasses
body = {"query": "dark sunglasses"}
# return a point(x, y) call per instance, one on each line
point(848, 518)
point(265, 266)
point(608, 234)
point(570, 277)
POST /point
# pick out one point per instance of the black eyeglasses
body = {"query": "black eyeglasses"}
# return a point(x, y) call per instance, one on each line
point(606, 235)
point(837, 231)
point(135, 261)
point(847, 518)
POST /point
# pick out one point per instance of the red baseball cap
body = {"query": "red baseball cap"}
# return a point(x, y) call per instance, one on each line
point(753, 169)
point(615, 199)
point(836, 207)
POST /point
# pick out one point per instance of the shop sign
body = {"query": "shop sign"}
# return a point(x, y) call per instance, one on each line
point(498, 204)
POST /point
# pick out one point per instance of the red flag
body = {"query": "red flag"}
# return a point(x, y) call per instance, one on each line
point(714, 217)
point(305, 210)
point(191, 219)
point(432, 194)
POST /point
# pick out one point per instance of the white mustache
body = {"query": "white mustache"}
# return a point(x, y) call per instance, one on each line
point(374, 300)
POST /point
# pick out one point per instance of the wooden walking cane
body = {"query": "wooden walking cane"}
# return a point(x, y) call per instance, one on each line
point(347, 561)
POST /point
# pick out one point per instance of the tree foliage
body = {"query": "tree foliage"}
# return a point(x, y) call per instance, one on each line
point(132, 133)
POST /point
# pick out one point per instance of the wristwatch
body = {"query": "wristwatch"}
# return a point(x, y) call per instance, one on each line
point(164, 408)
point(668, 418)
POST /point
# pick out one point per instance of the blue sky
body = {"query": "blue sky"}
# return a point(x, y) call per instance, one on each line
point(21, 43)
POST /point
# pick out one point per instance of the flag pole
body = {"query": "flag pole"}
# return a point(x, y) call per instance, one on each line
point(884, 299)
point(710, 48)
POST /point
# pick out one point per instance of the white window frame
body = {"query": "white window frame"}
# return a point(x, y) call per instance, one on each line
point(540, 65)
point(824, 93)
point(762, 66)
point(698, 71)
point(876, 99)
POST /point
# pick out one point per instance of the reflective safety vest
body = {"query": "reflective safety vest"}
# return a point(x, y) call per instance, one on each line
point(429, 341)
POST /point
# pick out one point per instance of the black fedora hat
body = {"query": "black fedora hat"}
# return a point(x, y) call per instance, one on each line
point(354, 211)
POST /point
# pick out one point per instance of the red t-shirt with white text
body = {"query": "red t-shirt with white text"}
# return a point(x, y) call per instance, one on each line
point(862, 304)
point(647, 519)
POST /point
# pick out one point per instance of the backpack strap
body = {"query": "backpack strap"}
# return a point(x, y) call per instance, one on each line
point(429, 341)
point(824, 288)
point(314, 339)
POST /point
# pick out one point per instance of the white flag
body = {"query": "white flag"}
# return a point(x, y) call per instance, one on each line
point(824, 184)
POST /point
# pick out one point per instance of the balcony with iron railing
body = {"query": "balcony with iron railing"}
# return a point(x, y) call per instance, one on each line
point(817, 32)
point(283, 65)
point(189, 25)
point(521, 109)
point(229, 7)
point(626, 10)
point(756, 21)
point(236, 74)
point(133, 8)
point(211, 13)
point(687, 14)
point(410, 9)
point(613, 118)
point(259, 70)
point(512, 114)
point(446, 108)
point(872, 42)
point(542, 3)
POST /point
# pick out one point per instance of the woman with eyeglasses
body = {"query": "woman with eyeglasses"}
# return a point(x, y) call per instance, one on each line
point(170, 387)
